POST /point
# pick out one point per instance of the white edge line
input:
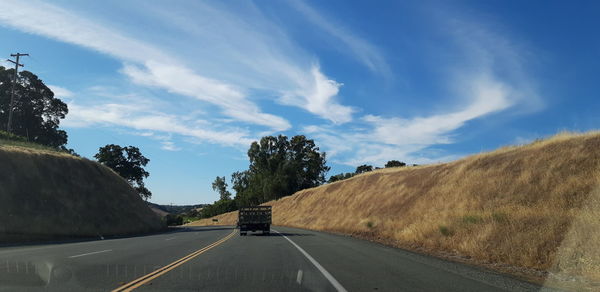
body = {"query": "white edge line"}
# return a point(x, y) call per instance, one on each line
point(327, 275)
point(89, 253)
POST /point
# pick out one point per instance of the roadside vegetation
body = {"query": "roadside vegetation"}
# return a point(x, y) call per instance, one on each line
point(528, 210)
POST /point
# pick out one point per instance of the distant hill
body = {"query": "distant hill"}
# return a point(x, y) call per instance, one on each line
point(46, 194)
point(175, 209)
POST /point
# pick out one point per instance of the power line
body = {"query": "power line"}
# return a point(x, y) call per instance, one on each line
point(12, 91)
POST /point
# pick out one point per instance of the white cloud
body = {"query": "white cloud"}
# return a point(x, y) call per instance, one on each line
point(60, 92)
point(319, 98)
point(145, 119)
point(169, 146)
point(181, 80)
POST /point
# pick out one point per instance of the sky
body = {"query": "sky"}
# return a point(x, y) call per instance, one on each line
point(193, 83)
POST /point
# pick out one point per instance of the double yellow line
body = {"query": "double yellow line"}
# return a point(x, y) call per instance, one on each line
point(149, 277)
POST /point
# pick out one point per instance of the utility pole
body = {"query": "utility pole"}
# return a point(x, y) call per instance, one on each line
point(12, 91)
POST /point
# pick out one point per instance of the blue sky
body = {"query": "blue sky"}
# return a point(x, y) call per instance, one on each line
point(192, 83)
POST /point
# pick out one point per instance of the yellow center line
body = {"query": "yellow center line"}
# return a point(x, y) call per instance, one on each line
point(149, 277)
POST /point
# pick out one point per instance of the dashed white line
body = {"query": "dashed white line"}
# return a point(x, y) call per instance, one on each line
point(325, 273)
point(299, 277)
point(89, 253)
point(170, 238)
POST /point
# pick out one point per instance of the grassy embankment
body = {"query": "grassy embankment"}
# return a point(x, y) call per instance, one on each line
point(47, 194)
point(531, 210)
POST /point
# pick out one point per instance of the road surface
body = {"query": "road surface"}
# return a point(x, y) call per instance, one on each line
point(218, 259)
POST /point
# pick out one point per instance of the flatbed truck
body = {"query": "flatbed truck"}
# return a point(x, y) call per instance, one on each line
point(256, 218)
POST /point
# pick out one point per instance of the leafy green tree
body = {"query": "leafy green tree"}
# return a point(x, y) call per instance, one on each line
point(37, 113)
point(220, 186)
point(395, 163)
point(129, 163)
point(279, 167)
point(363, 168)
point(218, 207)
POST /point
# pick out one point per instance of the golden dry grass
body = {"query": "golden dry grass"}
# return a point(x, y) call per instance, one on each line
point(47, 194)
point(534, 206)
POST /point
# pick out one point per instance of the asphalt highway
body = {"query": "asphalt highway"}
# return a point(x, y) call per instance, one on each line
point(218, 259)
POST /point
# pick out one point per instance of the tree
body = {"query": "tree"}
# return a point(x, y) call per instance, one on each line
point(363, 168)
point(220, 186)
point(394, 163)
point(37, 113)
point(129, 163)
point(279, 167)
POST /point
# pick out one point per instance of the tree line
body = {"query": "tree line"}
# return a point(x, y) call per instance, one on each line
point(365, 168)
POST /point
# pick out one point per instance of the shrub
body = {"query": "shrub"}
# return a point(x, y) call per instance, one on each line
point(173, 219)
point(370, 224)
point(445, 231)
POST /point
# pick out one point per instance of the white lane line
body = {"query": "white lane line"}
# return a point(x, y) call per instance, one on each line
point(89, 253)
point(327, 275)
point(170, 238)
point(299, 277)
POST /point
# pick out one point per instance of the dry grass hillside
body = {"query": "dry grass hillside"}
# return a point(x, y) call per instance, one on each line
point(524, 208)
point(47, 195)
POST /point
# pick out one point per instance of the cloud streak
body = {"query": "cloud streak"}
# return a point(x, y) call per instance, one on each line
point(154, 67)
point(490, 79)
point(365, 52)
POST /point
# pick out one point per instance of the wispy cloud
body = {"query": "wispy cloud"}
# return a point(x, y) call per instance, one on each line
point(365, 52)
point(60, 92)
point(153, 67)
point(239, 55)
point(489, 79)
point(319, 98)
point(146, 119)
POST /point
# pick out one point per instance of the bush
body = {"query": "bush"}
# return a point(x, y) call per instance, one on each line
point(445, 231)
point(394, 163)
point(218, 207)
point(341, 176)
point(173, 219)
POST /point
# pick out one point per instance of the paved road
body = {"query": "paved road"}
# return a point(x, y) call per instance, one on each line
point(287, 260)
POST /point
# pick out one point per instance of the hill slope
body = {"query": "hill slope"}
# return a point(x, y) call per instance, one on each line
point(48, 195)
point(534, 206)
